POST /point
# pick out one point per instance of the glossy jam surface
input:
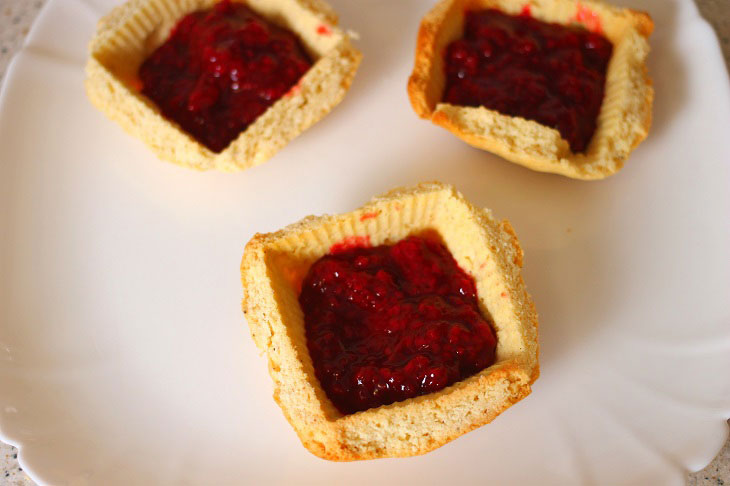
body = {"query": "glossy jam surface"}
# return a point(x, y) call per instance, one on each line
point(388, 323)
point(520, 66)
point(221, 69)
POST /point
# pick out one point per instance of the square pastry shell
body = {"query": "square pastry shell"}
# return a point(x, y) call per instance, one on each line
point(132, 31)
point(275, 264)
point(625, 115)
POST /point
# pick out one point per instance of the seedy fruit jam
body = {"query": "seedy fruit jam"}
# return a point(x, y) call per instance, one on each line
point(220, 69)
point(388, 323)
point(520, 66)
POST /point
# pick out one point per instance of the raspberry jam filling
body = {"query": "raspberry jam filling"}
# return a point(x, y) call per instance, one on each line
point(392, 322)
point(221, 69)
point(520, 66)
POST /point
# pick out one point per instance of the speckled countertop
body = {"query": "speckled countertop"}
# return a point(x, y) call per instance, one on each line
point(16, 17)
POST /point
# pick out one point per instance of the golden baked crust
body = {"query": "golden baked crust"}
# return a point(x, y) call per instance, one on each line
point(130, 32)
point(274, 265)
point(625, 115)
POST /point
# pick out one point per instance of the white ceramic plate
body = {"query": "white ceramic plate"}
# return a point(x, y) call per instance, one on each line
point(125, 358)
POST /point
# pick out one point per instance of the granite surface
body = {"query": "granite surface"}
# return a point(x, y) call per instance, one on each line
point(16, 17)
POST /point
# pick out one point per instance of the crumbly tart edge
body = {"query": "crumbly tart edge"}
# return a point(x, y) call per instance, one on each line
point(624, 119)
point(137, 25)
point(418, 425)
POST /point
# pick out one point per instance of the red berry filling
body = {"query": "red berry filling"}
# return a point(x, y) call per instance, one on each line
point(220, 70)
point(389, 323)
point(520, 66)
